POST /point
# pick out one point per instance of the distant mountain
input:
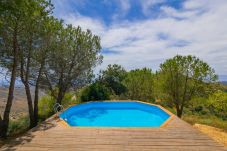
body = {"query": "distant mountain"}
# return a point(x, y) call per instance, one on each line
point(222, 78)
point(19, 106)
point(224, 82)
point(19, 102)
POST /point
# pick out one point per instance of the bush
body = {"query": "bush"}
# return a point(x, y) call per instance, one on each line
point(18, 126)
point(198, 105)
point(217, 103)
point(69, 100)
point(45, 105)
point(95, 91)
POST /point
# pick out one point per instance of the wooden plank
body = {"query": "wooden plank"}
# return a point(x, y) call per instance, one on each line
point(176, 135)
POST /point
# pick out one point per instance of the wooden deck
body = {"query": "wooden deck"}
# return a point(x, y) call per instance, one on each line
point(53, 135)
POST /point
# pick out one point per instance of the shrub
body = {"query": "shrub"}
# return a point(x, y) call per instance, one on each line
point(95, 91)
point(45, 105)
point(69, 99)
point(18, 126)
point(217, 103)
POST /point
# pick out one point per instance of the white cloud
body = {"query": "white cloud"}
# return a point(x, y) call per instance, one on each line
point(122, 11)
point(199, 28)
point(148, 4)
point(95, 25)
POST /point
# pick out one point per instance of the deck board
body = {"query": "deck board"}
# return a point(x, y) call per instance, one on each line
point(53, 135)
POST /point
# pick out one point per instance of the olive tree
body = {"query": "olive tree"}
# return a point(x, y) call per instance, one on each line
point(185, 77)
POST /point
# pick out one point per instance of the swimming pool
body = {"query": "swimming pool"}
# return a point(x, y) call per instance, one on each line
point(115, 114)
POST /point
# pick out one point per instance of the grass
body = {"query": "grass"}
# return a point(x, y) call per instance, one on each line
point(206, 119)
point(210, 120)
point(18, 126)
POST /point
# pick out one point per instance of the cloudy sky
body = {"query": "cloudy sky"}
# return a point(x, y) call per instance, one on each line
point(143, 33)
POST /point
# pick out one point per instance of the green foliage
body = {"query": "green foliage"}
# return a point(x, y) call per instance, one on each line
point(73, 66)
point(112, 78)
point(139, 84)
point(63, 57)
point(185, 77)
point(45, 106)
point(18, 126)
point(217, 103)
point(198, 105)
point(94, 92)
point(69, 99)
point(158, 88)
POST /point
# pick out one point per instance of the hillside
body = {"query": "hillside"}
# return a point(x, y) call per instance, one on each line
point(19, 106)
point(224, 82)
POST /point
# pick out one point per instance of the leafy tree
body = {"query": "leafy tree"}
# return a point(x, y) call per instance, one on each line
point(33, 50)
point(185, 77)
point(139, 84)
point(73, 56)
point(158, 93)
point(11, 16)
point(112, 78)
point(94, 92)
point(42, 52)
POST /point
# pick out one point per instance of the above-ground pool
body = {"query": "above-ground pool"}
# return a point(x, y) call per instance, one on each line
point(115, 114)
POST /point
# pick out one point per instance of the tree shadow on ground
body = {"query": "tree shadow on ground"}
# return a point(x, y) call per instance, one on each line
point(13, 144)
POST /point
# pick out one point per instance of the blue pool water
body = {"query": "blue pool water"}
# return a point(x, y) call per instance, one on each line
point(115, 114)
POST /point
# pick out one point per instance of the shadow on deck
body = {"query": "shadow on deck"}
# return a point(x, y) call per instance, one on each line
point(53, 135)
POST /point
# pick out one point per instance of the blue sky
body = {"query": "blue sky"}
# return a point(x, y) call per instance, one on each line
point(143, 33)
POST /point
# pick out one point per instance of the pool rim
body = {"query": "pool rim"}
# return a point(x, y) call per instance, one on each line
point(170, 118)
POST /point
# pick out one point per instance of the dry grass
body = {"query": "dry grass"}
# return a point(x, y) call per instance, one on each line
point(215, 133)
point(210, 120)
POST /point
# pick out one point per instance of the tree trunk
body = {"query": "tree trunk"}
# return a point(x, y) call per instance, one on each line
point(24, 78)
point(9, 103)
point(36, 99)
point(30, 104)
point(179, 111)
point(36, 109)
point(61, 94)
point(5, 121)
point(1, 125)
